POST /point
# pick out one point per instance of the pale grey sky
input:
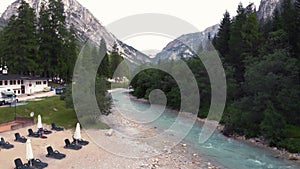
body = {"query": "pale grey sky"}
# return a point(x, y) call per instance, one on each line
point(200, 13)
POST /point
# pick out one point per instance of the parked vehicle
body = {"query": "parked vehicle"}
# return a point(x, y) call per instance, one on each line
point(7, 96)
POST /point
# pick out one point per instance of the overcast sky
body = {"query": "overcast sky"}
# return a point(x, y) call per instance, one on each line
point(200, 13)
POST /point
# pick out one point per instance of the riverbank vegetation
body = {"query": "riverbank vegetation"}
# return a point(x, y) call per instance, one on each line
point(261, 62)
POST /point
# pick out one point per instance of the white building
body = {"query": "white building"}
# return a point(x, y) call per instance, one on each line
point(21, 84)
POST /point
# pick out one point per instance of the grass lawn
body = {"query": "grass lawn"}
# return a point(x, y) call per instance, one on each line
point(118, 85)
point(52, 110)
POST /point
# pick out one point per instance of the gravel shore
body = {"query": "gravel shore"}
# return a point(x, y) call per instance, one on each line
point(121, 147)
point(105, 150)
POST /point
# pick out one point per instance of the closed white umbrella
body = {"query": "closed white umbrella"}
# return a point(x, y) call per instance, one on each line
point(29, 153)
point(77, 134)
point(39, 123)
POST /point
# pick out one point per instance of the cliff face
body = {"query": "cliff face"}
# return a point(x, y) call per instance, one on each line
point(86, 27)
point(187, 45)
point(266, 9)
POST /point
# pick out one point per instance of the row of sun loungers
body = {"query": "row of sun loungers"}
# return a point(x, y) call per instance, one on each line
point(37, 163)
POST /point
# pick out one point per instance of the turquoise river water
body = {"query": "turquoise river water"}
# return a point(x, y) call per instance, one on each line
point(227, 152)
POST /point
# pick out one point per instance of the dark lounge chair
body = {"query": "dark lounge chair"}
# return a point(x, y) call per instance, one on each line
point(47, 131)
point(37, 163)
point(54, 154)
point(4, 144)
point(80, 142)
point(71, 145)
point(32, 134)
point(19, 164)
point(19, 138)
point(56, 128)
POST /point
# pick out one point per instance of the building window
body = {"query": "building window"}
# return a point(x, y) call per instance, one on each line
point(22, 82)
point(38, 82)
point(19, 92)
point(15, 82)
point(5, 82)
point(10, 82)
point(19, 82)
point(45, 82)
point(1, 83)
point(30, 84)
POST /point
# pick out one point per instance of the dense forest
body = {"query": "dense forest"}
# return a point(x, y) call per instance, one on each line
point(44, 45)
point(261, 61)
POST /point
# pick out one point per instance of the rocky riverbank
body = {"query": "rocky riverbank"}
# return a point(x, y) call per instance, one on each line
point(280, 153)
point(163, 153)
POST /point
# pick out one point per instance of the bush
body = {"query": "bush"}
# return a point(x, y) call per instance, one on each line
point(291, 144)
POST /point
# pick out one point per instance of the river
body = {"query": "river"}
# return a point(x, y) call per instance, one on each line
point(229, 153)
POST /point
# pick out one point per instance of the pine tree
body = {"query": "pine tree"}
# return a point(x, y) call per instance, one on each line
point(236, 44)
point(19, 41)
point(114, 60)
point(297, 6)
point(251, 35)
point(71, 46)
point(103, 70)
point(57, 44)
point(46, 48)
point(289, 16)
point(222, 38)
point(277, 22)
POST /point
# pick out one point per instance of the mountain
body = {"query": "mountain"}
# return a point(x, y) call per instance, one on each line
point(266, 9)
point(86, 27)
point(187, 45)
point(151, 52)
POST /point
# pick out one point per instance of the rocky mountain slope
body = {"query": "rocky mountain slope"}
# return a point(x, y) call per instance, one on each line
point(86, 27)
point(266, 9)
point(189, 44)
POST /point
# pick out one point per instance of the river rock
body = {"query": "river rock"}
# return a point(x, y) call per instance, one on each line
point(109, 132)
point(294, 157)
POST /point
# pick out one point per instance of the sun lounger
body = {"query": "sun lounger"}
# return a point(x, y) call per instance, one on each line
point(47, 131)
point(54, 154)
point(71, 145)
point(56, 128)
point(32, 134)
point(19, 138)
point(80, 141)
point(4, 144)
point(37, 163)
point(19, 164)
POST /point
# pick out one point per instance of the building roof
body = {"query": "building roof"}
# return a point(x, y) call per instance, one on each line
point(20, 77)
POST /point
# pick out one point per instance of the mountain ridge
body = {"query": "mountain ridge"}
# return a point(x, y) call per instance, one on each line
point(86, 26)
point(189, 44)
